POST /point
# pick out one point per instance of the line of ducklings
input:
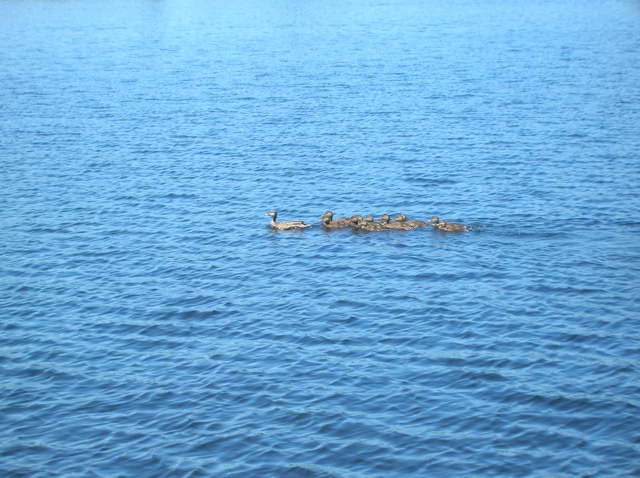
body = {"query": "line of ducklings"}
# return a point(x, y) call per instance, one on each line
point(368, 223)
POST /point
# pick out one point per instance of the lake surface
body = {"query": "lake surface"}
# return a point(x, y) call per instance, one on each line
point(153, 325)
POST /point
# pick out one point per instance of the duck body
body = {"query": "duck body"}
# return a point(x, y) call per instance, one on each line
point(287, 225)
point(402, 219)
point(452, 227)
point(448, 226)
point(328, 222)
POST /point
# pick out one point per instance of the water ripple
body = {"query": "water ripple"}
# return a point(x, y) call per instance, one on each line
point(154, 325)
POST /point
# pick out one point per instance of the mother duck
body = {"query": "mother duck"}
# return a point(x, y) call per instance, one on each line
point(283, 226)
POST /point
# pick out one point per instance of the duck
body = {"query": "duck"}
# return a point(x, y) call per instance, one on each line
point(328, 222)
point(402, 218)
point(284, 226)
point(368, 224)
point(448, 226)
point(385, 221)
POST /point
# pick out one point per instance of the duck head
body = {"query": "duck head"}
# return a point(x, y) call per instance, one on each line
point(326, 217)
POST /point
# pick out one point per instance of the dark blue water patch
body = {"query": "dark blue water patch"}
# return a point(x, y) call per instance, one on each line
point(154, 324)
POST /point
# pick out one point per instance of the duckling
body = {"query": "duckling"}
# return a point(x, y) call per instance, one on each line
point(328, 222)
point(401, 218)
point(448, 226)
point(369, 225)
point(283, 226)
point(385, 218)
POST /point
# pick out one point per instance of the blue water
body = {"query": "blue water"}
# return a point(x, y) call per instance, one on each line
point(152, 324)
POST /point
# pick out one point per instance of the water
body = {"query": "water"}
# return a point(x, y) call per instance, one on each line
point(152, 324)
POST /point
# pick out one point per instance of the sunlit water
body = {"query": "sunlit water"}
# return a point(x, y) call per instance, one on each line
point(153, 325)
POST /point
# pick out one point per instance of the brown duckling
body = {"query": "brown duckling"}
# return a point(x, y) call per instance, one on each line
point(328, 222)
point(402, 226)
point(368, 224)
point(448, 226)
point(401, 218)
point(283, 226)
